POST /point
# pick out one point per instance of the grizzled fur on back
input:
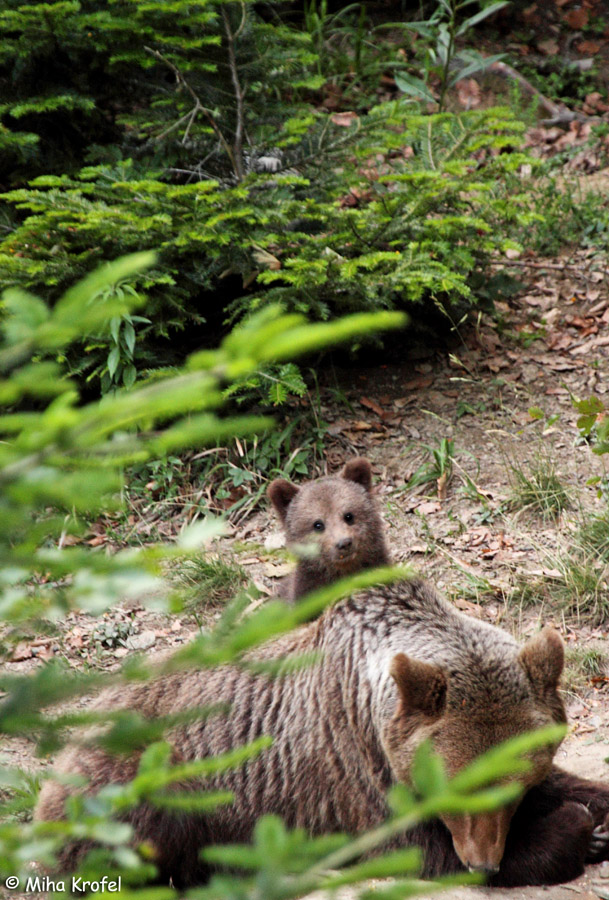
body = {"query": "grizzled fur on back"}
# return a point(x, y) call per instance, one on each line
point(332, 525)
point(345, 729)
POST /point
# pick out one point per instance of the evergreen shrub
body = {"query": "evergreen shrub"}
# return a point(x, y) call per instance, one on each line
point(205, 138)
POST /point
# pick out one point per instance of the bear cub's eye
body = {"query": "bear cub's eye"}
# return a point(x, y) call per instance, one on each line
point(349, 518)
point(318, 525)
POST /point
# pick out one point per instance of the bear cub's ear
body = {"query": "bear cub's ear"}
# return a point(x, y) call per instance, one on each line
point(421, 686)
point(281, 493)
point(543, 658)
point(358, 470)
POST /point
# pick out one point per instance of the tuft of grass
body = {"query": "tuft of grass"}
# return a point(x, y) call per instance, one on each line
point(473, 587)
point(591, 661)
point(209, 581)
point(538, 487)
point(580, 588)
point(527, 592)
point(593, 536)
point(582, 664)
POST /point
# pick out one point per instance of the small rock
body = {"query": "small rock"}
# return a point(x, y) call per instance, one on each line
point(603, 869)
point(274, 541)
point(142, 641)
point(278, 571)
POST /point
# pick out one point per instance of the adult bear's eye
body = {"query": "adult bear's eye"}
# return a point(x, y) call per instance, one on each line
point(318, 525)
point(349, 518)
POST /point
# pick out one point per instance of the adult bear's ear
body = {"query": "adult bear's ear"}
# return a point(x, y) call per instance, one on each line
point(421, 685)
point(360, 471)
point(281, 493)
point(543, 658)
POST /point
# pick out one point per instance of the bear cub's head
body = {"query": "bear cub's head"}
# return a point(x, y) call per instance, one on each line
point(332, 522)
point(467, 711)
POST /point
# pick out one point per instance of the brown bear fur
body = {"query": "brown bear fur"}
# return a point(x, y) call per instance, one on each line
point(397, 665)
point(332, 525)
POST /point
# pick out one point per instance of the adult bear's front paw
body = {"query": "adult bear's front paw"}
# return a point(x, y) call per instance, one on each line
point(598, 848)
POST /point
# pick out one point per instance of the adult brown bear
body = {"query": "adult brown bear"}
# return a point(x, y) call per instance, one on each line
point(398, 665)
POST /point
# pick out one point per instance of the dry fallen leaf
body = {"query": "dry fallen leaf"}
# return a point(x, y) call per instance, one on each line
point(373, 405)
point(468, 93)
point(338, 427)
point(495, 363)
point(576, 19)
point(549, 47)
point(589, 346)
point(428, 506)
point(265, 259)
point(589, 48)
point(467, 606)
point(22, 651)
point(344, 119)
point(417, 384)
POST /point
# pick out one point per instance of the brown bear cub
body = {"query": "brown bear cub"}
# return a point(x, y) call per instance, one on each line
point(332, 525)
point(397, 666)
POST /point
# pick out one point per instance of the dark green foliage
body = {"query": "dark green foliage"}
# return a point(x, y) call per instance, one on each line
point(206, 141)
point(397, 216)
point(92, 80)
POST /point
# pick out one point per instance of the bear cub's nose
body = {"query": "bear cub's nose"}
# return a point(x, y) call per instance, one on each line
point(344, 543)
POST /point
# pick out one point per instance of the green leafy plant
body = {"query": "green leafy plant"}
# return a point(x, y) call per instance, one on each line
point(218, 55)
point(443, 60)
point(439, 469)
point(593, 534)
point(580, 586)
point(593, 422)
point(559, 80)
point(389, 209)
point(352, 52)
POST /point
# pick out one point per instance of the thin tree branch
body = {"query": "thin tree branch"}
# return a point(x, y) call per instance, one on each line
point(197, 108)
point(238, 89)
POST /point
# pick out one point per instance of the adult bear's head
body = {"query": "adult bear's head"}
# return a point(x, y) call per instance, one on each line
point(468, 709)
